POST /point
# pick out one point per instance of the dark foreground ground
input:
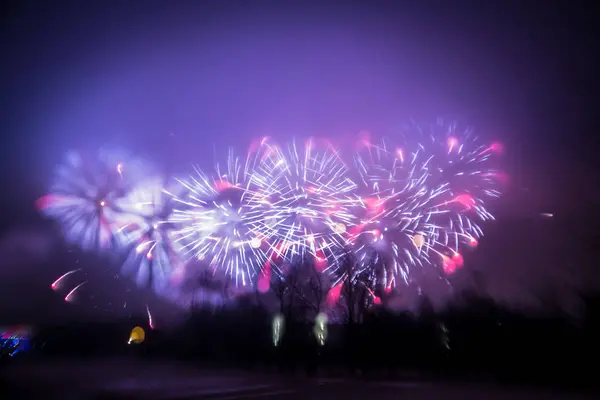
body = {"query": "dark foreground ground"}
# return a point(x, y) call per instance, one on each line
point(152, 380)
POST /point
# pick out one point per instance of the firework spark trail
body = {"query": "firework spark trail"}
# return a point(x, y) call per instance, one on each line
point(150, 322)
point(70, 295)
point(58, 281)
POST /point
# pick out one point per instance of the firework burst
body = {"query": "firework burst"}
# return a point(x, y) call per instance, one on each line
point(422, 200)
point(218, 220)
point(143, 229)
point(83, 193)
point(308, 196)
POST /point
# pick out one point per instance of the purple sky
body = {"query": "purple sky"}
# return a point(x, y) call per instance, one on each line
point(179, 84)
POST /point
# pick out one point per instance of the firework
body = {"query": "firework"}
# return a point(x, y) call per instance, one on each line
point(91, 282)
point(308, 196)
point(218, 220)
point(142, 227)
point(406, 209)
point(82, 196)
point(421, 201)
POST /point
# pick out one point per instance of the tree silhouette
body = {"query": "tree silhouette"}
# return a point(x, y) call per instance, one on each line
point(309, 287)
point(361, 288)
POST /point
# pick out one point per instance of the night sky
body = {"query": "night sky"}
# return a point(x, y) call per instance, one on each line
point(178, 82)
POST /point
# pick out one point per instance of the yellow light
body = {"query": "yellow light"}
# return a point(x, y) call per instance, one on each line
point(137, 335)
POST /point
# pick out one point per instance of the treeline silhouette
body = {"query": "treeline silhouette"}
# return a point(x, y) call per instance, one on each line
point(480, 340)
